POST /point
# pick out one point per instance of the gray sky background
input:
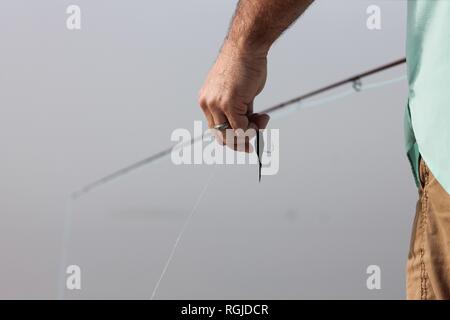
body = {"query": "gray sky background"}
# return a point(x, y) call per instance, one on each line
point(76, 105)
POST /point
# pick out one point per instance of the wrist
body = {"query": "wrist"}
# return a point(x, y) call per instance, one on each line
point(244, 49)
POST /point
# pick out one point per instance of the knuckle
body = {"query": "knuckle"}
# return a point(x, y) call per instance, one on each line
point(203, 104)
point(201, 101)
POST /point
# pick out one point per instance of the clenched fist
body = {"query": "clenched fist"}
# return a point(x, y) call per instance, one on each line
point(231, 86)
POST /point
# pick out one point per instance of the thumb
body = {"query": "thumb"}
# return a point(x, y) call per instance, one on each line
point(260, 120)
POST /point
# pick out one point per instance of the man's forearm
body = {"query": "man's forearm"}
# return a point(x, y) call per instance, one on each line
point(258, 23)
point(240, 71)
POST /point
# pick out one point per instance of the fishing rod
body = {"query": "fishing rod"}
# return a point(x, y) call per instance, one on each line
point(355, 80)
point(357, 86)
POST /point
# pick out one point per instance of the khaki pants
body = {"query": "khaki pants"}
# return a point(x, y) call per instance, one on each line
point(428, 267)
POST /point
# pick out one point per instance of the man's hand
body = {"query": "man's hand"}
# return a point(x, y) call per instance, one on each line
point(234, 81)
point(240, 71)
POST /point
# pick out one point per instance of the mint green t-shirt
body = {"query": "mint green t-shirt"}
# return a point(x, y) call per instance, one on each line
point(427, 117)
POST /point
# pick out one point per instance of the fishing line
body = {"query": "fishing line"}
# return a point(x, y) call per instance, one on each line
point(301, 105)
point(113, 176)
point(278, 110)
point(180, 234)
point(65, 246)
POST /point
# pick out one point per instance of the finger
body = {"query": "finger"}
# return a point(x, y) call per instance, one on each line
point(243, 139)
point(207, 113)
point(209, 118)
point(244, 146)
point(260, 120)
point(237, 121)
point(251, 133)
point(218, 118)
point(250, 108)
point(252, 130)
